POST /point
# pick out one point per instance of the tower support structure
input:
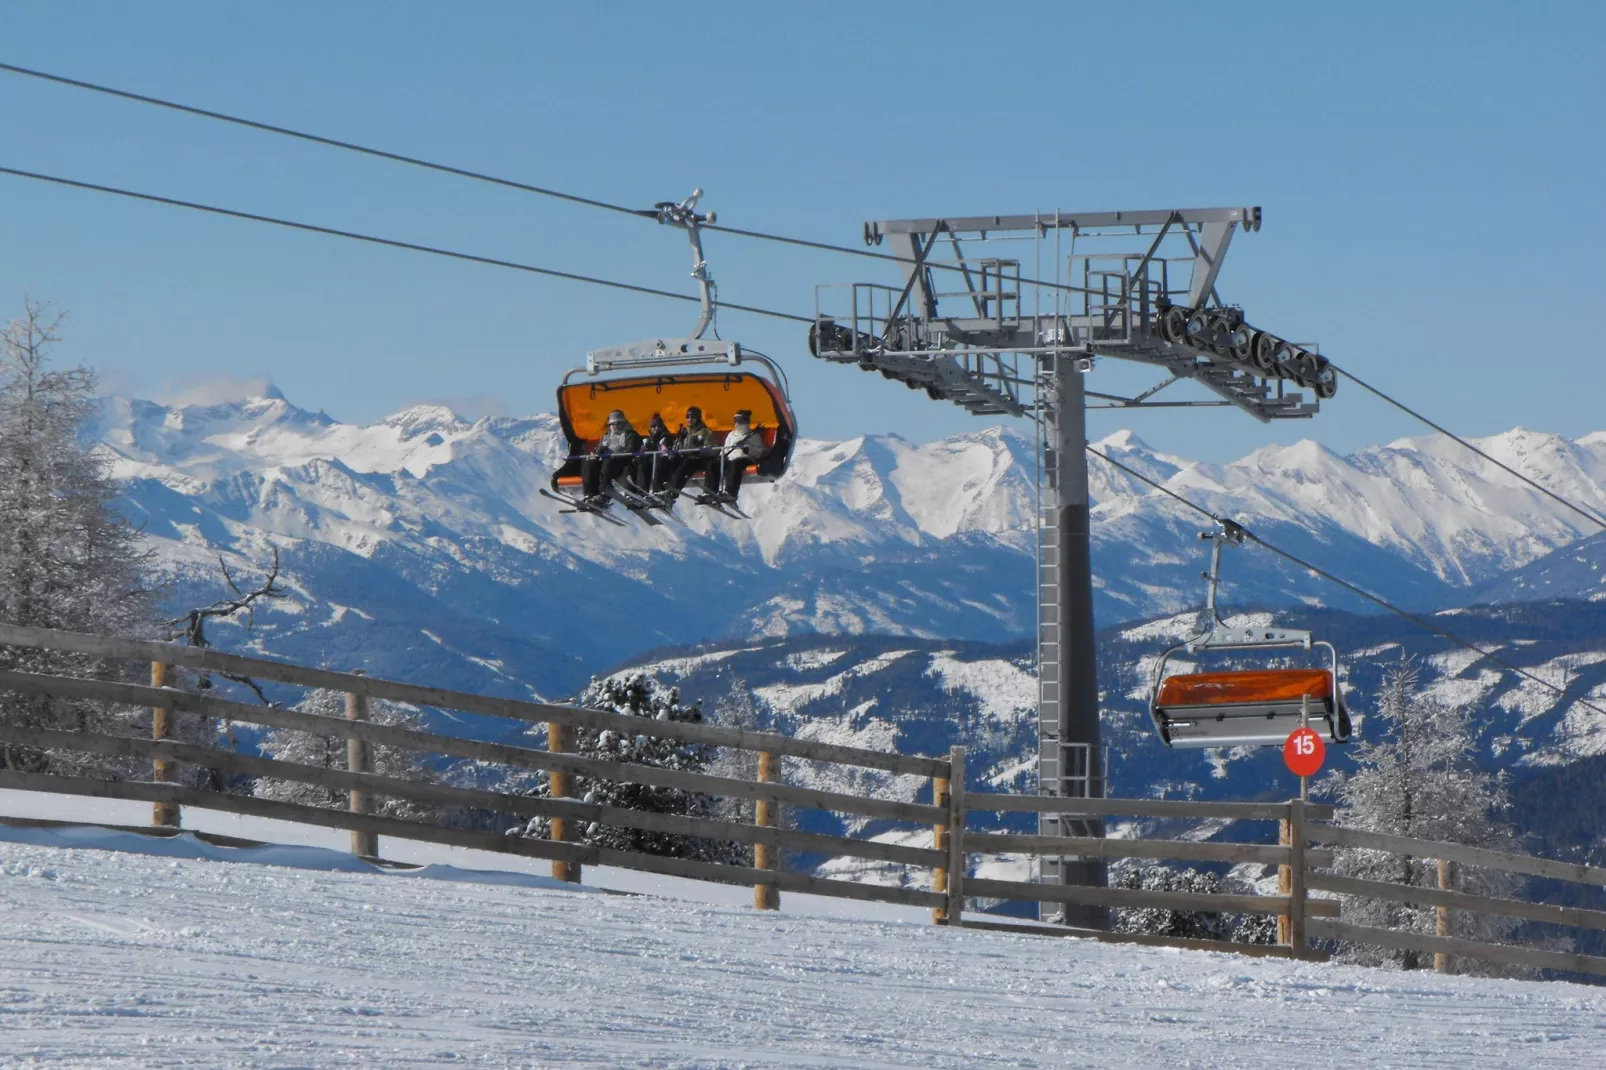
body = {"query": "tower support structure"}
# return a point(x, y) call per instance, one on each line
point(972, 325)
point(1071, 754)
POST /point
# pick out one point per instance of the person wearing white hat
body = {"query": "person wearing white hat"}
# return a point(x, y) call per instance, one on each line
point(744, 445)
point(610, 458)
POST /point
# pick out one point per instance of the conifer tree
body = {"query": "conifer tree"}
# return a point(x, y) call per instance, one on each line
point(1416, 775)
point(639, 695)
point(68, 560)
point(1192, 924)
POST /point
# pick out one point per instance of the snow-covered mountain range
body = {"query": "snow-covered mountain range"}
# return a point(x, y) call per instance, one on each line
point(420, 545)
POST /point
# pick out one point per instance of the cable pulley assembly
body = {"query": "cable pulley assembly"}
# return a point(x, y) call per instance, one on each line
point(1222, 332)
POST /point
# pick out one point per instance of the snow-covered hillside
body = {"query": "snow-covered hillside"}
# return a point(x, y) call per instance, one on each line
point(923, 696)
point(111, 959)
point(423, 542)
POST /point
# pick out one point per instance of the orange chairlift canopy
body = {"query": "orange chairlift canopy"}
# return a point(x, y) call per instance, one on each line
point(1264, 686)
point(1245, 707)
point(583, 409)
point(1254, 707)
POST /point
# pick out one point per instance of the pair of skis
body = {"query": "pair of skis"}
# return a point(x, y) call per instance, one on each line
point(644, 503)
point(631, 497)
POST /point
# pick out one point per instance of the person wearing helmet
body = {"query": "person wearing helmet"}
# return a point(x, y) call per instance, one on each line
point(695, 446)
point(610, 458)
point(744, 445)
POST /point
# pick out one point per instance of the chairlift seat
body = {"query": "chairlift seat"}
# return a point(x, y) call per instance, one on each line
point(1254, 708)
point(583, 409)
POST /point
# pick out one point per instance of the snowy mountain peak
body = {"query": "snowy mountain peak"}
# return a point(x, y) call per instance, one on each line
point(421, 420)
point(1122, 441)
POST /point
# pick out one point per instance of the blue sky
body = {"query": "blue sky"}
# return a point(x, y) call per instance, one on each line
point(1430, 173)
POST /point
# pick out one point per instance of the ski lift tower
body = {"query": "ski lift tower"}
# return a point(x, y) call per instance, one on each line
point(968, 327)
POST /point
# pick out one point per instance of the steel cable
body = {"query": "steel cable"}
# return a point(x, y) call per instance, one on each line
point(1441, 429)
point(392, 243)
point(1420, 622)
point(478, 176)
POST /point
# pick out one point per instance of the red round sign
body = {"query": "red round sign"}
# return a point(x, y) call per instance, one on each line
point(1303, 751)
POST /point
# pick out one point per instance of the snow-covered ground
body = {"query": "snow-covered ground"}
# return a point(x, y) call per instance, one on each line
point(111, 958)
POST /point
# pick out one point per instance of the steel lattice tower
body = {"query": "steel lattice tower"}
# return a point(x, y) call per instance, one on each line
point(1133, 286)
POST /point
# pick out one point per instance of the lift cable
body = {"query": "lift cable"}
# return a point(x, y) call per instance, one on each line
point(396, 157)
point(394, 243)
point(1441, 429)
point(1420, 622)
point(479, 176)
point(654, 292)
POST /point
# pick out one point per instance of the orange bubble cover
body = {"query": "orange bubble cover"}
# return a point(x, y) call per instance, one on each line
point(1246, 688)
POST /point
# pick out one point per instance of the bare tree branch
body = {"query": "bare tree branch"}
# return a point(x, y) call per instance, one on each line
point(192, 625)
point(194, 622)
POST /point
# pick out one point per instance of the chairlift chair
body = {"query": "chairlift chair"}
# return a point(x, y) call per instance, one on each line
point(650, 377)
point(651, 384)
point(1245, 707)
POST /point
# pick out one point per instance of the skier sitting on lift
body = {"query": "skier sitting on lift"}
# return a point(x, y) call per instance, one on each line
point(610, 458)
point(694, 446)
point(743, 446)
point(652, 470)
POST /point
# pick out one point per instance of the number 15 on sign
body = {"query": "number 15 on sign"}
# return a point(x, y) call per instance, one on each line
point(1304, 752)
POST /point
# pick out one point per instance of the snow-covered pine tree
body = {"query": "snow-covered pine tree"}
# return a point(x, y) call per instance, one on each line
point(68, 560)
point(1192, 924)
point(639, 695)
point(1416, 775)
point(325, 752)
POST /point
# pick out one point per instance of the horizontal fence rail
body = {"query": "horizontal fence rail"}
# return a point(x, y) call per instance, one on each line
point(471, 798)
point(1134, 897)
point(1051, 804)
point(251, 806)
point(1563, 961)
point(1455, 852)
point(1175, 850)
point(484, 705)
point(1302, 868)
point(1581, 917)
point(452, 746)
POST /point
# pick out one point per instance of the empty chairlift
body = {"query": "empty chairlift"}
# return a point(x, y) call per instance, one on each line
point(1255, 707)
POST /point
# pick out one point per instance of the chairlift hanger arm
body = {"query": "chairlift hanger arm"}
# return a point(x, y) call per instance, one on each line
point(684, 215)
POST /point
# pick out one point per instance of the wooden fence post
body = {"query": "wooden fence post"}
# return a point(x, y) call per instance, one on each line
point(955, 907)
point(1285, 881)
point(1296, 879)
point(562, 787)
point(363, 844)
point(162, 771)
point(939, 842)
point(1441, 921)
point(766, 896)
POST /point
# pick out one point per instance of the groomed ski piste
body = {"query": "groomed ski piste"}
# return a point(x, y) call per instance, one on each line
point(119, 949)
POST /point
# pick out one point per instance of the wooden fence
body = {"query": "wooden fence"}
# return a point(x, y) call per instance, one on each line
point(1303, 868)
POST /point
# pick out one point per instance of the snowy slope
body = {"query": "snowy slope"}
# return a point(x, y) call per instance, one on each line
point(129, 960)
point(1577, 570)
point(422, 542)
